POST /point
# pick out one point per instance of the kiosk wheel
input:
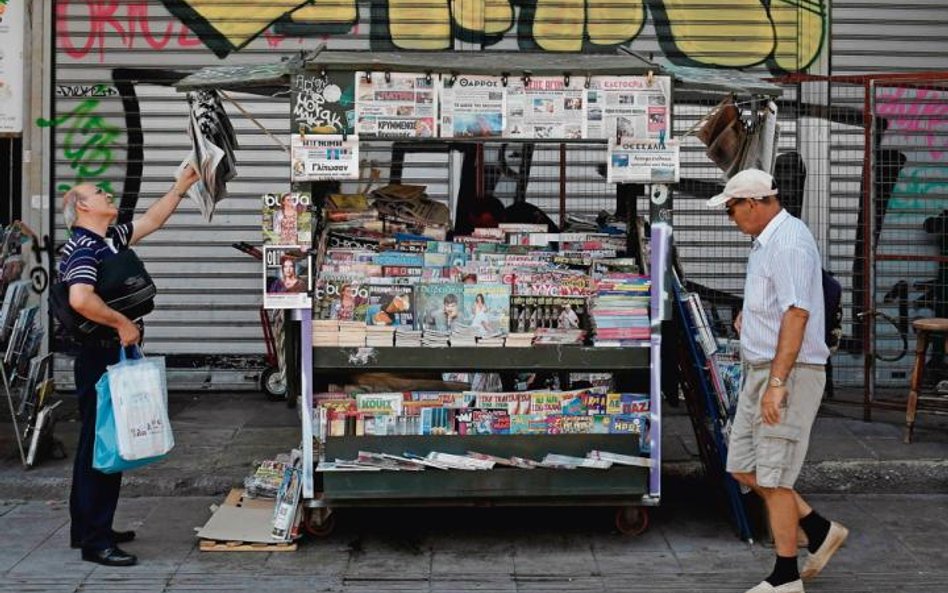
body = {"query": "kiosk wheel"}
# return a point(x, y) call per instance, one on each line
point(273, 384)
point(632, 520)
point(319, 522)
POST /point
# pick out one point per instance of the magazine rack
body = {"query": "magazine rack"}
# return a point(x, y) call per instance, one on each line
point(628, 488)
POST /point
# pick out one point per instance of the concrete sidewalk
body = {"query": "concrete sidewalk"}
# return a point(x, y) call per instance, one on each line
point(219, 436)
point(897, 544)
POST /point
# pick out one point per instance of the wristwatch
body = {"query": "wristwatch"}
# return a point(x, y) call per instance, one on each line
point(777, 382)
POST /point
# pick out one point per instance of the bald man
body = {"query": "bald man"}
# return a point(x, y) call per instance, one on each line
point(90, 213)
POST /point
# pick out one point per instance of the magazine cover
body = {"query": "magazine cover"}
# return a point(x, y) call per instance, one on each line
point(344, 300)
point(529, 312)
point(438, 306)
point(286, 276)
point(487, 308)
point(389, 305)
point(287, 219)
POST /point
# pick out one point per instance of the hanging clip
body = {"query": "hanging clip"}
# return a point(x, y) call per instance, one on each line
point(428, 77)
point(302, 132)
point(650, 78)
point(367, 77)
point(526, 79)
point(453, 79)
point(503, 78)
point(586, 82)
point(323, 74)
point(566, 79)
point(388, 76)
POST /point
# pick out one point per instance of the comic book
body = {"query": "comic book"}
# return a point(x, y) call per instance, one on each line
point(438, 306)
point(627, 403)
point(380, 403)
point(389, 305)
point(287, 219)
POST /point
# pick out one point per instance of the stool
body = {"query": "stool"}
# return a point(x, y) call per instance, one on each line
point(923, 327)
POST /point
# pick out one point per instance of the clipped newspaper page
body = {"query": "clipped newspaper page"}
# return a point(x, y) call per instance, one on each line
point(396, 104)
point(324, 157)
point(642, 160)
point(546, 107)
point(628, 106)
point(473, 106)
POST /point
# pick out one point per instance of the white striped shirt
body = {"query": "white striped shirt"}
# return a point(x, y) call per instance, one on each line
point(85, 250)
point(783, 271)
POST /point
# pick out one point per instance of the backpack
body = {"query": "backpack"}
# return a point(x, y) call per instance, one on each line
point(833, 308)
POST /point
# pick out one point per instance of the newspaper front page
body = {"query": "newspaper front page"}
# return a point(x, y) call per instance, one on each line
point(396, 105)
point(628, 107)
point(642, 160)
point(546, 107)
point(324, 157)
point(473, 107)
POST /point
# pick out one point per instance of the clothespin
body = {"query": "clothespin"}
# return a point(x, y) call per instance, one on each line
point(428, 77)
point(323, 74)
point(587, 81)
point(302, 132)
point(388, 76)
point(503, 78)
point(453, 79)
point(566, 79)
point(650, 78)
point(367, 77)
point(526, 79)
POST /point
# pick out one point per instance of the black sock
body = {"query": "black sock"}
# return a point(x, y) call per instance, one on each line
point(785, 571)
point(815, 527)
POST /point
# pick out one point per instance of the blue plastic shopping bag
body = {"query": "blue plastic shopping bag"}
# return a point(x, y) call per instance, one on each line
point(106, 457)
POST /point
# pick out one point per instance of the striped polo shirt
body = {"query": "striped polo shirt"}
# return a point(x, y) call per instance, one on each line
point(784, 270)
point(85, 250)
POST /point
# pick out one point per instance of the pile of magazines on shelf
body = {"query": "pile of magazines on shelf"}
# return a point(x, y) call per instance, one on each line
point(475, 461)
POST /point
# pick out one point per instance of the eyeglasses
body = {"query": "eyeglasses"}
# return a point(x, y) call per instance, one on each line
point(731, 205)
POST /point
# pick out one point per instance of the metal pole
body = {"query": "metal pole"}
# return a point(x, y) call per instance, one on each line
point(868, 205)
point(16, 427)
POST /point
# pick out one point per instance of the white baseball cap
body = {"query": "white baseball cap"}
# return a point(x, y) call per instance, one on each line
point(749, 183)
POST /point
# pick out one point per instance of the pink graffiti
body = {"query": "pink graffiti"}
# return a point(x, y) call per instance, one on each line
point(274, 40)
point(916, 112)
point(104, 18)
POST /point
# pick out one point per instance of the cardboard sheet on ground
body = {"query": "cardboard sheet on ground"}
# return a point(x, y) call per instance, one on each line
point(251, 521)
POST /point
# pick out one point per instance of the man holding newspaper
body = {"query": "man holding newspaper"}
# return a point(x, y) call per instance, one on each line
point(90, 213)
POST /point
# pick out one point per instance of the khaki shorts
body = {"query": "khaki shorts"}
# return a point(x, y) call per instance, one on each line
point(776, 452)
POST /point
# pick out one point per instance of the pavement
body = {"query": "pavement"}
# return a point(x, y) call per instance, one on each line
point(893, 496)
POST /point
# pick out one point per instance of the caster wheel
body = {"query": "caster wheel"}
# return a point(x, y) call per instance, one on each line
point(273, 384)
point(319, 522)
point(632, 520)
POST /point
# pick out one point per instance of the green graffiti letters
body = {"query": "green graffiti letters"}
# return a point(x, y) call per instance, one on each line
point(88, 143)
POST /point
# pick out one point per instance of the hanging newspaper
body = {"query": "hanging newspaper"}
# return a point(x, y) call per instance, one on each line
point(286, 278)
point(324, 157)
point(287, 219)
point(323, 103)
point(396, 105)
point(642, 160)
point(473, 107)
point(628, 106)
point(546, 107)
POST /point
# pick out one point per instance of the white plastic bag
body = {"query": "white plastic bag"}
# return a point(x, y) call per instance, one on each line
point(140, 403)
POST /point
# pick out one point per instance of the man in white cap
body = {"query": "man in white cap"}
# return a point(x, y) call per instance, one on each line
point(785, 353)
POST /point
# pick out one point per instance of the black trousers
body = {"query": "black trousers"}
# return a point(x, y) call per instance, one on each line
point(94, 495)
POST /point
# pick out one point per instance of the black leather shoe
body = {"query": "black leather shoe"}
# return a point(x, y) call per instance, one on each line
point(110, 557)
point(118, 537)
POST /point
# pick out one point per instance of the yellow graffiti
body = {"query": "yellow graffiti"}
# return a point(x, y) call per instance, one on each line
point(787, 35)
point(239, 21)
point(420, 24)
point(327, 12)
point(799, 27)
point(482, 16)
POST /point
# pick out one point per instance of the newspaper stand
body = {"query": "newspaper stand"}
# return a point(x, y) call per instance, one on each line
point(630, 489)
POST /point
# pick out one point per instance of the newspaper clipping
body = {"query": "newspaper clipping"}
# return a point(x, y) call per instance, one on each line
point(545, 107)
point(324, 157)
point(396, 105)
point(642, 160)
point(628, 107)
point(287, 219)
point(473, 107)
point(286, 277)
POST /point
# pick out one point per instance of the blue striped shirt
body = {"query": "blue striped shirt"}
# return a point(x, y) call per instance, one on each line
point(85, 250)
point(784, 270)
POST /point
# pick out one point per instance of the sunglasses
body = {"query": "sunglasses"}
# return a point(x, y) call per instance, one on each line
point(731, 205)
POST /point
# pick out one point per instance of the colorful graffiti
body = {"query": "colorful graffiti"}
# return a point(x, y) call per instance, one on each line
point(88, 144)
point(101, 19)
point(786, 35)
